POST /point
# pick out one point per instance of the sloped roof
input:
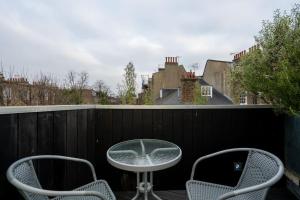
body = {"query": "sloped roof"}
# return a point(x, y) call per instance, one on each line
point(170, 97)
point(217, 97)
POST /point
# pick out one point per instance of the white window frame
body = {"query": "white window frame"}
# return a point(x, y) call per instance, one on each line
point(243, 98)
point(206, 90)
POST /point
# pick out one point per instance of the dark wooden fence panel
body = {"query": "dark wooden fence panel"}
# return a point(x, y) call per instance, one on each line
point(45, 146)
point(91, 136)
point(59, 147)
point(27, 134)
point(8, 152)
point(89, 133)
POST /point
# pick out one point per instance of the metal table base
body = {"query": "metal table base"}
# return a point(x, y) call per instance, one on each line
point(145, 186)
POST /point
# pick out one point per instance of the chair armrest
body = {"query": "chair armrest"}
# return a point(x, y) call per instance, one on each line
point(57, 157)
point(52, 193)
point(213, 155)
point(253, 188)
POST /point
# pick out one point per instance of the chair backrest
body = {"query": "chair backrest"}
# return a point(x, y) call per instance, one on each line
point(24, 172)
point(260, 167)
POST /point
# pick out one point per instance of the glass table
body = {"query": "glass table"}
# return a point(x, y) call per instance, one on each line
point(144, 156)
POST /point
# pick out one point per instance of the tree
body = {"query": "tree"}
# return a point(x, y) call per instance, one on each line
point(44, 90)
point(127, 91)
point(102, 91)
point(198, 99)
point(148, 97)
point(82, 82)
point(273, 69)
point(75, 83)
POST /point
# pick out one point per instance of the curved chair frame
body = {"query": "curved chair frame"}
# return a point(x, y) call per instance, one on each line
point(236, 192)
point(24, 187)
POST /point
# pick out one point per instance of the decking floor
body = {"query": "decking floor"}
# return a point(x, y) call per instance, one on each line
point(274, 194)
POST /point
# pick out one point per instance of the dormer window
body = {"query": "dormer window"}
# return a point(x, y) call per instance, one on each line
point(206, 91)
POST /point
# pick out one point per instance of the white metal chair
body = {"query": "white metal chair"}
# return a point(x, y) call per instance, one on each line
point(262, 169)
point(22, 175)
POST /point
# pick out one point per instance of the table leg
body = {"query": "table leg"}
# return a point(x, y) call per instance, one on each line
point(145, 186)
point(151, 190)
point(137, 186)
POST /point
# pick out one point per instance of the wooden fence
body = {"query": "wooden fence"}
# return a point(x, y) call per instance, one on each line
point(88, 133)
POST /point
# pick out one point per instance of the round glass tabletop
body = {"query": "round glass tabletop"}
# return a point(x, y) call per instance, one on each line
point(142, 155)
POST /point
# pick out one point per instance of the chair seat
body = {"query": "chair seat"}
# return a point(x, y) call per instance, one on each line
point(99, 186)
point(198, 190)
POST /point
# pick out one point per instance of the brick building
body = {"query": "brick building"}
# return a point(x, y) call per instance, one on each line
point(173, 85)
point(18, 91)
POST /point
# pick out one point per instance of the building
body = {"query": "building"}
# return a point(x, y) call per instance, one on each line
point(44, 93)
point(173, 85)
point(166, 79)
point(14, 91)
point(18, 91)
point(216, 74)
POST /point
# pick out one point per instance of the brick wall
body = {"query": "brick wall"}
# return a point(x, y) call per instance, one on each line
point(188, 86)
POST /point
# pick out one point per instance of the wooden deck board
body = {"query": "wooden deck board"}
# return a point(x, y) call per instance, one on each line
point(169, 194)
point(274, 194)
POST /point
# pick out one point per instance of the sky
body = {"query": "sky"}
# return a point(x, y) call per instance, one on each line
point(101, 37)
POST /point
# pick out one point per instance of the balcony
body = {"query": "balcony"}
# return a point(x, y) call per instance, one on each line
point(87, 131)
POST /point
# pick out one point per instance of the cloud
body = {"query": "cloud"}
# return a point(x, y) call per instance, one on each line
point(101, 37)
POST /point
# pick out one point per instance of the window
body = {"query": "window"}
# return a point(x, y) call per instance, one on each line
point(46, 96)
point(7, 93)
point(28, 96)
point(243, 99)
point(206, 91)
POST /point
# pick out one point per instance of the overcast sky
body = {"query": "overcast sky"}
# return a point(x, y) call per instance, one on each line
point(101, 37)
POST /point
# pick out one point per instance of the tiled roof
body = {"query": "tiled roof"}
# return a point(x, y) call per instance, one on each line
point(170, 97)
point(217, 97)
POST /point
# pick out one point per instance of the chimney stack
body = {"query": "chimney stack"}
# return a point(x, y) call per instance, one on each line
point(188, 82)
